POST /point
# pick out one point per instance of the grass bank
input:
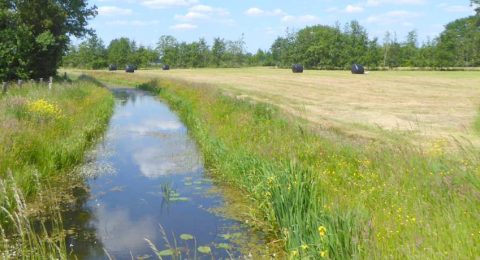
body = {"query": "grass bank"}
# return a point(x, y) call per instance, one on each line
point(333, 199)
point(44, 135)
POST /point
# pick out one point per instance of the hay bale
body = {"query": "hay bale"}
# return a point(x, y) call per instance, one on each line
point(130, 69)
point(297, 68)
point(112, 67)
point(358, 69)
point(166, 67)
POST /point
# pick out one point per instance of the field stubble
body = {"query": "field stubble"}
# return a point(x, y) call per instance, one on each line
point(421, 106)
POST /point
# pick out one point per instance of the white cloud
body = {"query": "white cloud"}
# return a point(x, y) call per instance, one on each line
point(113, 11)
point(118, 230)
point(159, 4)
point(255, 11)
point(202, 8)
point(191, 16)
point(199, 12)
point(398, 16)
point(183, 27)
point(353, 9)
point(180, 158)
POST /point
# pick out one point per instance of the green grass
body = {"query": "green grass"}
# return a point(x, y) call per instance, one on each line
point(369, 199)
point(476, 124)
point(45, 134)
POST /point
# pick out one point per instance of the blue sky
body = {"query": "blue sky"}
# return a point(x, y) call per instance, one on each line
point(262, 21)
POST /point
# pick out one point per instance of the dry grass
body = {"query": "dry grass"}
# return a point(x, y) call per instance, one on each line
point(423, 105)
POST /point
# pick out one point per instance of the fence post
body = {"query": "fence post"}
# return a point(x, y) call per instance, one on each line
point(50, 83)
point(40, 81)
point(20, 83)
point(4, 87)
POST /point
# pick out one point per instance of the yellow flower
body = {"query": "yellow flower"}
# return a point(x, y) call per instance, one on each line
point(304, 247)
point(324, 253)
point(43, 108)
point(294, 253)
point(322, 231)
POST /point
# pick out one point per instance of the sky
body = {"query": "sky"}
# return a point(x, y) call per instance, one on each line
point(262, 22)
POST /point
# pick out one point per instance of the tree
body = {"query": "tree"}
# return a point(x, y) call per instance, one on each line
point(92, 54)
point(167, 48)
point(120, 52)
point(458, 45)
point(409, 50)
point(144, 56)
point(357, 43)
point(35, 34)
point(477, 4)
point(218, 51)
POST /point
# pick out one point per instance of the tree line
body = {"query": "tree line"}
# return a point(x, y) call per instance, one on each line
point(319, 47)
point(332, 48)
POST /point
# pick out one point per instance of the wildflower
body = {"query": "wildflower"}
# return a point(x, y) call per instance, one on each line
point(270, 180)
point(44, 108)
point(324, 253)
point(304, 247)
point(322, 231)
point(294, 253)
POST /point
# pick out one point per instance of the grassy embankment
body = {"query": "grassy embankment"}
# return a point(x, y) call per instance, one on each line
point(44, 135)
point(327, 198)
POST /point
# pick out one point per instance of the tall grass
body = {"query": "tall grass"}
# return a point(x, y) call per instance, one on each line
point(334, 199)
point(44, 135)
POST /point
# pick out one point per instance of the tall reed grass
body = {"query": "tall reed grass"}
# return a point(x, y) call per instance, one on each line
point(329, 197)
point(44, 135)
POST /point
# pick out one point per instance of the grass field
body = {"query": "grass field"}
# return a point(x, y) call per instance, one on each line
point(421, 106)
point(322, 195)
point(44, 135)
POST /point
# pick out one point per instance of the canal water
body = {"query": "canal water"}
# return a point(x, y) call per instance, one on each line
point(147, 190)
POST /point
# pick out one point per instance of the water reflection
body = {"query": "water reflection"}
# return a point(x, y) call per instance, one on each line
point(120, 231)
point(146, 156)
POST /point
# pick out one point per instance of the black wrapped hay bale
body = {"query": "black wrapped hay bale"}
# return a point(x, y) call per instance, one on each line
point(358, 69)
point(112, 67)
point(297, 68)
point(166, 67)
point(130, 69)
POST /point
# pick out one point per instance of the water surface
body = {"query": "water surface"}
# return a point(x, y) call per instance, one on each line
point(146, 181)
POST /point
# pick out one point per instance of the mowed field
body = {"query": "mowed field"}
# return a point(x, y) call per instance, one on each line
point(424, 106)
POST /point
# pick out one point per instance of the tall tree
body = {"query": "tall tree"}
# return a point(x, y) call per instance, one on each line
point(120, 52)
point(409, 50)
point(35, 34)
point(167, 48)
point(459, 44)
point(92, 54)
point(218, 51)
